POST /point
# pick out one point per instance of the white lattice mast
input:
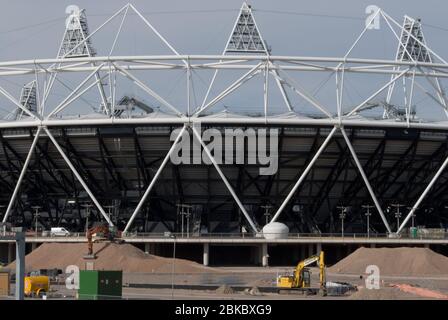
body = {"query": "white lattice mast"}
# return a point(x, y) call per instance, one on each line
point(412, 47)
point(28, 100)
point(246, 38)
point(76, 42)
point(414, 50)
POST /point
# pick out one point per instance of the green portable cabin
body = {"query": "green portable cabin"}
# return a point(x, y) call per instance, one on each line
point(100, 284)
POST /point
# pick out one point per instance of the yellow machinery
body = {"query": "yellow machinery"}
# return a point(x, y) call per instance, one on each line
point(36, 286)
point(301, 279)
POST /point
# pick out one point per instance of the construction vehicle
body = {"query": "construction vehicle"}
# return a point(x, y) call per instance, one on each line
point(300, 280)
point(101, 232)
point(36, 286)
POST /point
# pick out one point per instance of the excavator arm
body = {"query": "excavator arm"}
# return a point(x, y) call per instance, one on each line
point(103, 229)
point(322, 277)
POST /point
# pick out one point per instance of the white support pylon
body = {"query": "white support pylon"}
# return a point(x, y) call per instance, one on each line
point(22, 174)
point(423, 195)
point(78, 177)
point(304, 174)
point(224, 179)
point(366, 180)
point(154, 180)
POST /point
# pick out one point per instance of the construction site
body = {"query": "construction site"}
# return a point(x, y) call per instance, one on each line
point(131, 168)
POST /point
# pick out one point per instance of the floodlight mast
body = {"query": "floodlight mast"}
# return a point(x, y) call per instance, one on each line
point(412, 47)
point(76, 43)
point(28, 99)
point(246, 38)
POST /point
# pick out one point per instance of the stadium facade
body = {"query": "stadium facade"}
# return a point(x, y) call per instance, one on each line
point(334, 164)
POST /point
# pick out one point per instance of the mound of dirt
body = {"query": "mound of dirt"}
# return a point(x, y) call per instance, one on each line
point(381, 294)
point(110, 256)
point(394, 261)
point(225, 289)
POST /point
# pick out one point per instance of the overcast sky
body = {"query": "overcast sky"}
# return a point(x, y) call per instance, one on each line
point(33, 29)
point(193, 26)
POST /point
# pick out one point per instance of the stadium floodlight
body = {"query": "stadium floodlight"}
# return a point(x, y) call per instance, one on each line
point(75, 42)
point(27, 99)
point(245, 36)
point(412, 47)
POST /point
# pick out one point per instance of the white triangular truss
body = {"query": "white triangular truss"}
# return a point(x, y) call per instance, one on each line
point(76, 42)
point(412, 47)
point(27, 99)
point(409, 48)
point(245, 37)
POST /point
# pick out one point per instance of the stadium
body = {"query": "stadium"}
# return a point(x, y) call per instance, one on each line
point(361, 143)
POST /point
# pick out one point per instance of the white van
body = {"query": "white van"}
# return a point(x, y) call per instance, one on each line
point(59, 232)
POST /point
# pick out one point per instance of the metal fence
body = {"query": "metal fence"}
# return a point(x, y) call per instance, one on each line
point(429, 234)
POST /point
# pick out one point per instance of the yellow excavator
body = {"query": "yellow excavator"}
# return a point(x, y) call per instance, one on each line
point(300, 280)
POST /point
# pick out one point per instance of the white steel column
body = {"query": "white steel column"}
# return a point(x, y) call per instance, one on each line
point(188, 89)
point(264, 255)
point(226, 182)
point(154, 180)
point(78, 176)
point(206, 252)
point(366, 180)
point(282, 90)
point(22, 174)
point(304, 174)
point(422, 197)
point(266, 89)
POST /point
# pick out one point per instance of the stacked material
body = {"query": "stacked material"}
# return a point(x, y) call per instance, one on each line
point(394, 262)
point(110, 256)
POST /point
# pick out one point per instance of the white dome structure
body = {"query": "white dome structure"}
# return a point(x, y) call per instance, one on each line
point(275, 230)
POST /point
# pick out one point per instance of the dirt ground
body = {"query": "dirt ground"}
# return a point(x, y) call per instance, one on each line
point(249, 277)
point(424, 274)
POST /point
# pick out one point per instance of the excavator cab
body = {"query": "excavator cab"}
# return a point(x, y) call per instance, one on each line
point(306, 278)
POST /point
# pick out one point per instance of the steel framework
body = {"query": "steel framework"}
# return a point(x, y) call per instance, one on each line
point(246, 52)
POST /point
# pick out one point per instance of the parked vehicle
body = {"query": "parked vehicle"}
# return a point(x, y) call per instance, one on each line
point(59, 232)
point(36, 286)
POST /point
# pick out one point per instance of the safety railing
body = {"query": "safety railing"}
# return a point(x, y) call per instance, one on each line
point(225, 235)
point(289, 236)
